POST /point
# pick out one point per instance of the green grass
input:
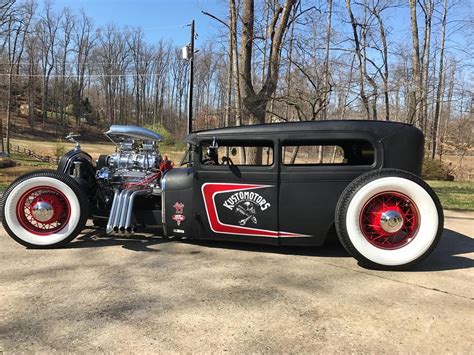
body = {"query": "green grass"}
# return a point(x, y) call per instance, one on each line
point(454, 195)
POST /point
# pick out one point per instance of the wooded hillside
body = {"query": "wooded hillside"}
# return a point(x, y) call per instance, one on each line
point(274, 60)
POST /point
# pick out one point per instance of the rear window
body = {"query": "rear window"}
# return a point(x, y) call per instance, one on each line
point(341, 152)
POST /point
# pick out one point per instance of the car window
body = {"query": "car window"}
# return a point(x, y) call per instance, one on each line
point(312, 154)
point(237, 153)
point(344, 152)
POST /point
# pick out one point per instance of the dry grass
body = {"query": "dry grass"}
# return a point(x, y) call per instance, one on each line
point(27, 164)
point(463, 170)
point(48, 148)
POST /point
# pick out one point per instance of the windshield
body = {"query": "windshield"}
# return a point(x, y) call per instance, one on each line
point(188, 156)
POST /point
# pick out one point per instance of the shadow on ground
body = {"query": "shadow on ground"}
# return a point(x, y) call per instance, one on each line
point(143, 243)
point(448, 253)
point(446, 256)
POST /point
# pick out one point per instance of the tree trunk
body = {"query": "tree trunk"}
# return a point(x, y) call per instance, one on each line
point(326, 89)
point(428, 9)
point(417, 84)
point(9, 104)
point(385, 75)
point(363, 96)
point(255, 103)
point(440, 82)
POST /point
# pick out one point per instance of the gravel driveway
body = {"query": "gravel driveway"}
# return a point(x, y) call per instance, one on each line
point(145, 294)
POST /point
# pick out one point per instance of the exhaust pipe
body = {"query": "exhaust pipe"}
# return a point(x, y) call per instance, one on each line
point(118, 205)
point(113, 211)
point(122, 208)
point(126, 205)
point(128, 217)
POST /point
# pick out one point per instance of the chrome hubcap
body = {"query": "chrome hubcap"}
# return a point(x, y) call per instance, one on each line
point(391, 221)
point(42, 211)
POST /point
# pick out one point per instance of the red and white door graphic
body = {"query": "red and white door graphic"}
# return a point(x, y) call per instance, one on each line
point(240, 209)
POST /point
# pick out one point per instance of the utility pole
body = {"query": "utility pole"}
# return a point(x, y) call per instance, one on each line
point(191, 80)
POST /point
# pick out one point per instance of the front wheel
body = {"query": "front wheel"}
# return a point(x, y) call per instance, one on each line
point(44, 209)
point(389, 219)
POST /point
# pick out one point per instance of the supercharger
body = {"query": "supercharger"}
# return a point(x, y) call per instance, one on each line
point(143, 158)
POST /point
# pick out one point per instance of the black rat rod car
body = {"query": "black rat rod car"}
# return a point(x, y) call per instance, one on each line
point(282, 184)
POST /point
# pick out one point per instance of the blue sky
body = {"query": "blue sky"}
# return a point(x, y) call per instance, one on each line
point(167, 19)
point(159, 19)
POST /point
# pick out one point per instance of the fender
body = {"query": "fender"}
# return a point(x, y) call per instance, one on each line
point(79, 165)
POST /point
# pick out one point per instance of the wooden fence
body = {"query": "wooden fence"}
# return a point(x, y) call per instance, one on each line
point(34, 155)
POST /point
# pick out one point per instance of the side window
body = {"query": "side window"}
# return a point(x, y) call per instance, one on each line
point(337, 152)
point(237, 153)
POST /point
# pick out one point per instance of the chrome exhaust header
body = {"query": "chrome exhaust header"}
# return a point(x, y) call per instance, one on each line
point(120, 217)
point(128, 218)
point(113, 211)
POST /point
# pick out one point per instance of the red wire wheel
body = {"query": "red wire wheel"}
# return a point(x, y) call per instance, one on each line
point(389, 220)
point(43, 210)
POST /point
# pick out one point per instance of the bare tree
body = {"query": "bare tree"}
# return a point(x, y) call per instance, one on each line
point(235, 65)
point(113, 58)
point(84, 41)
point(415, 97)
point(327, 87)
point(427, 7)
point(67, 26)
point(18, 24)
point(360, 62)
point(434, 136)
point(31, 51)
point(47, 29)
point(161, 63)
point(255, 102)
point(376, 9)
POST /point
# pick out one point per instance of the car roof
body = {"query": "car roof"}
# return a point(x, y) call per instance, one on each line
point(377, 128)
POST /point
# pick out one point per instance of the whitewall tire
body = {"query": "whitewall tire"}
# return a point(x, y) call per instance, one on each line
point(44, 209)
point(389, 219)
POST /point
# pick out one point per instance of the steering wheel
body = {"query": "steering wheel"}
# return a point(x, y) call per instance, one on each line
point(227, 160)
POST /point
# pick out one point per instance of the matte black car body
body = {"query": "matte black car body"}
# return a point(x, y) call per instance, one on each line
point(294, 204)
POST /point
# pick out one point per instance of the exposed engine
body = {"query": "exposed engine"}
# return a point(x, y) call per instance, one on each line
point(135, 169)
point(132, 163)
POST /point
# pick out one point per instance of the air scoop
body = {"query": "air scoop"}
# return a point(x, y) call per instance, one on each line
point(120, 133)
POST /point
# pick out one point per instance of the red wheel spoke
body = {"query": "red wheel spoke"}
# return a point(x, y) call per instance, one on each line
point(59, 210)
point(389, 203)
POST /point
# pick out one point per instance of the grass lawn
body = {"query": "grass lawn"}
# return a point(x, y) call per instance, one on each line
point(454, 195)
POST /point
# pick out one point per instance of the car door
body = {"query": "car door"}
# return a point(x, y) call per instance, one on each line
point(315, 168)
point(237, 199)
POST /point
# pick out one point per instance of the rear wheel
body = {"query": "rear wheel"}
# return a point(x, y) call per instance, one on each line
point(389, 219)
point(44, 209)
